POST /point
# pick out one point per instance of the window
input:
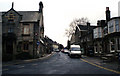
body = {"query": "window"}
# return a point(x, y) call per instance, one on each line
point(95, 48)
point(26, 30)
point(88, 39)
point(95, 33)
point(99, 32)
point(117, 25)
point(110, 25)
point(112, 45)
point(10, 30)
point(118, 43)
point(25, 47)
point(105, 30)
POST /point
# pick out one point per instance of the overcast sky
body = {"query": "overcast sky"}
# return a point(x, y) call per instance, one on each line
point(59, 13)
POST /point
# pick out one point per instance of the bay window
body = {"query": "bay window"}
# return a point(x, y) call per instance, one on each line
point(117, 25)
point(111, 26)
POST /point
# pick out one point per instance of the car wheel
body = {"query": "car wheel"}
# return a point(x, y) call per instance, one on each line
point(70, 56)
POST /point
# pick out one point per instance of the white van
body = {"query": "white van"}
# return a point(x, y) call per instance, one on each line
point(75, 51)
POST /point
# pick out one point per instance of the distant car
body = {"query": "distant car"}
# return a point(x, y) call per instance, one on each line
point(66, 51)
point(56, 50)
point(75, 51)
point(62, 50)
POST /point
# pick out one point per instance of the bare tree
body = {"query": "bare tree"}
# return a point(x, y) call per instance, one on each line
point(72, 26)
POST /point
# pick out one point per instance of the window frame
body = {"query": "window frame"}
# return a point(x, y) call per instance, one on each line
point(112, 43)
point(26, 29)
point(116, 25)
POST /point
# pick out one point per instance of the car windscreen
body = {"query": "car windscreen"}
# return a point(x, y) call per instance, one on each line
point(75, 49)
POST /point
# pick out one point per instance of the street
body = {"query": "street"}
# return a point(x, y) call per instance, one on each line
point(58, 63)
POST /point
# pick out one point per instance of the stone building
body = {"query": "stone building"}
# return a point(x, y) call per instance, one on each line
point(22, 31)
point(107, 35)
point(83, 36)
point(98, 37)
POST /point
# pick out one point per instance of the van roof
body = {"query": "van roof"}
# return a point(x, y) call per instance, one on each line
point(75, 46)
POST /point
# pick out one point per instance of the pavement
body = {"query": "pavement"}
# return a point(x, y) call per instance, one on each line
point(15, 62)
point(113, 66)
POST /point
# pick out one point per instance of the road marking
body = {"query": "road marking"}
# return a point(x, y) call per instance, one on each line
point(5, 69)
point(101, 66)
point(98, 63)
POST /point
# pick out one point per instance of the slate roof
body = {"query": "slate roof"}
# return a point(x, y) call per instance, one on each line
point(85, 27)
point(29, 16)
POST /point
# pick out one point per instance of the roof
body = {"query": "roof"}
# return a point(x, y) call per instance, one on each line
point(29, 16)
point(115, 17)
point(85, 27)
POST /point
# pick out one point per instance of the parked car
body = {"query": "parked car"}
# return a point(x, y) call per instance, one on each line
point(75, 51)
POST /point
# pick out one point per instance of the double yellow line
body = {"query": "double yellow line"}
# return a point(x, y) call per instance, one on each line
point(101, 67)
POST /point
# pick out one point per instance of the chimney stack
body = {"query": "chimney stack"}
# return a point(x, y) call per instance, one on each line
point(107, 14)
point(88, 24)
point(40, 7)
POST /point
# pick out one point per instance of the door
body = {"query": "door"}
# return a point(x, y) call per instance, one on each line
point(9, 46)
